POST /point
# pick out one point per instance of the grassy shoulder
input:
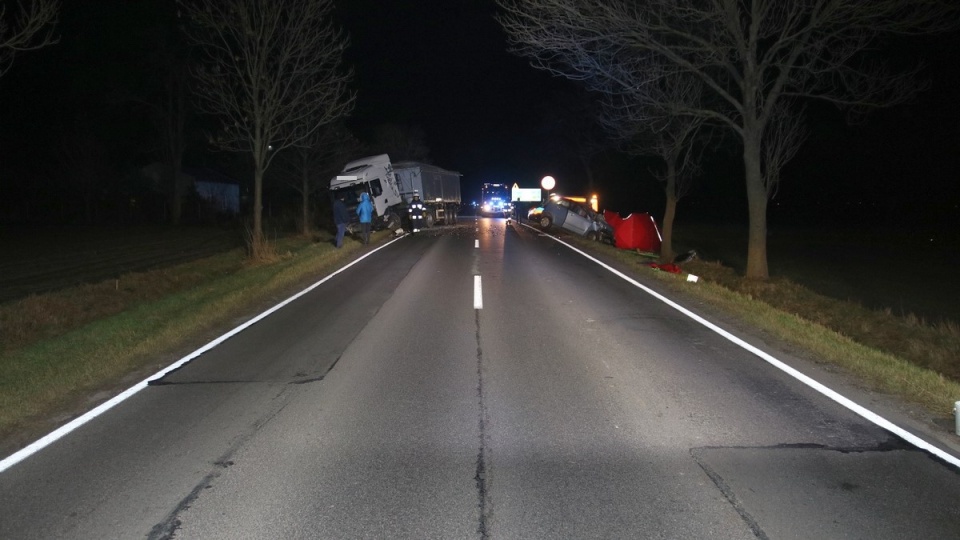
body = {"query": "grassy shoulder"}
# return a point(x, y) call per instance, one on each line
point(61, 348)
point(897, 355)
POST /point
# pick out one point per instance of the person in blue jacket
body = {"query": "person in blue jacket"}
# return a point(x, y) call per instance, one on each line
point(365, 211)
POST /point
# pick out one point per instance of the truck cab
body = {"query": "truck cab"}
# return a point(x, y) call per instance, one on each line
point(495, 200)
point(391, 188)
point(373, 175)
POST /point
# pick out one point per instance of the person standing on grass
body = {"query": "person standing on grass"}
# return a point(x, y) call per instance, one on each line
point(341, 218)
point(365, 211)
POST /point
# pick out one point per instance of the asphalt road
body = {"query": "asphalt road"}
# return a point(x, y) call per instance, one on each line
point(572, 404)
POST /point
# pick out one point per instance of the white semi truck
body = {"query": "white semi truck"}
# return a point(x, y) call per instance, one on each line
point(391, 188)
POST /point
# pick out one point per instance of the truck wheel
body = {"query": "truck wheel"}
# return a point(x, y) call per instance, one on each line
point(428, 220)
point(393, 221)
point(545, 221)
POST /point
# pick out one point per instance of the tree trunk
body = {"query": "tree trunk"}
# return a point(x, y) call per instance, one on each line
point(306, 203)
point(666, 246)
point(305, 194)
point(171, 171)
point(172, 127)
point(256, 238)
point(176, 206)
point(757, 206)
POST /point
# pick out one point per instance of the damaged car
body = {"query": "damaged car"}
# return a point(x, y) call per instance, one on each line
point(577, 218)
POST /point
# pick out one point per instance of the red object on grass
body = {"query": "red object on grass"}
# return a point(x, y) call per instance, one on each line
point(637, 231)
point(672, 268)
point(612, 218)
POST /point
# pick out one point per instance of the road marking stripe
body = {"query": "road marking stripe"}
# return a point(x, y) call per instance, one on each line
point(477, 293)
point(865, 413)
point(476, 243)
point(65, 429)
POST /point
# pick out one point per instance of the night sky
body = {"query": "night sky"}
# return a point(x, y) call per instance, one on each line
point(443, 66)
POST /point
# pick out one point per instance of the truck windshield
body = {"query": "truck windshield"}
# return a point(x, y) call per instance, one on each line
point(351, 194)
point(495, 197)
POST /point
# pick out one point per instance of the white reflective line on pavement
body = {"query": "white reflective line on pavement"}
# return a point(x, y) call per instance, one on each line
point(863, 412)
point(476, 243)
point(477, 293)
point(65, 429)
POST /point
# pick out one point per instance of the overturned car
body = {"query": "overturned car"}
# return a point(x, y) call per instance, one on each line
point(577, 218)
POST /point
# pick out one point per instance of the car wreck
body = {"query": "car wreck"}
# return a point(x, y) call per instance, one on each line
point(577, 218)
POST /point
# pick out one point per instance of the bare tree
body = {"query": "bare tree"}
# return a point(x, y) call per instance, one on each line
point(571, 119)
point(749, 55)
point(308, 168)
point(782, 139)
point(271, 72)
point(170, 118)
point(648, 120)
point(168, 106)
point(32, 27)
point(84, 163)
point(675, 146)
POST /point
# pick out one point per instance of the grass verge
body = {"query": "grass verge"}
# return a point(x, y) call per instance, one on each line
point(60, 348)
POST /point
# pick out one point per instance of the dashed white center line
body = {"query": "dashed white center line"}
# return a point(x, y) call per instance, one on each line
point(476, 243)
point(477, 293)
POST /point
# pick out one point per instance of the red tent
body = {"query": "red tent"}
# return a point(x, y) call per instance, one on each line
point(637, 231)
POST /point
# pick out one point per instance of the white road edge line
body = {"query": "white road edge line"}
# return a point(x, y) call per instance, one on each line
point(476, 243)
point(477, 293)
point(63, 430)
point(867, 414)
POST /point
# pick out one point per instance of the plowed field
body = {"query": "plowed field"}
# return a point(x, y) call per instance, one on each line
point(39, 260)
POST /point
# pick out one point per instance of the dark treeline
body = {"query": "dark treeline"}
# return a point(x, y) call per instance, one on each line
point(77, 140)
point(82, 129)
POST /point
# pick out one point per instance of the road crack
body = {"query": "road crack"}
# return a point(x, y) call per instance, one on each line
point(168, 528)
point(481, 475)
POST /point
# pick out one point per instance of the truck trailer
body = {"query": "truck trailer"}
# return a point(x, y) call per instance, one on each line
point(392, 186)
